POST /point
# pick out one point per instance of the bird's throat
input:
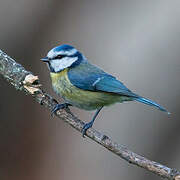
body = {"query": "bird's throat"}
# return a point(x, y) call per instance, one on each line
point(56, 76)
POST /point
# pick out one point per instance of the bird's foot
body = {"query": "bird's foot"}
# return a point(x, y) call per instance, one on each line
point(86, 127)
point(58, 107)
point(89, 124)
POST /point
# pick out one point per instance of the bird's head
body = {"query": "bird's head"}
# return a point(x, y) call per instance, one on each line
point(62, 57)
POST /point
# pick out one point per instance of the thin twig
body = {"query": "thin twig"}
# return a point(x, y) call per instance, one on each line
point(25, 81)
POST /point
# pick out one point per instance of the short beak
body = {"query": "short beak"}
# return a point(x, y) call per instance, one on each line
point(45, 59)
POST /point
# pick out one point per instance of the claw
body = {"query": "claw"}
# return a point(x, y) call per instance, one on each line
point(58, 107)
point(86, 127)
point(89, 124)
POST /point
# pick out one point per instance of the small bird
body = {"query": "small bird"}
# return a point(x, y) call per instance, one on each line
point(84, 85)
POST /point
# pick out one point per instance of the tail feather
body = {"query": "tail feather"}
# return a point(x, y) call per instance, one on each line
point(151, 103)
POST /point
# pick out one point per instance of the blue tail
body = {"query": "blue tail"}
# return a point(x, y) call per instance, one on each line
point(151, 103)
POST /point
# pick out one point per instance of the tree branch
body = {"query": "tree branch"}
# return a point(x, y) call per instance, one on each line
point(25, 81)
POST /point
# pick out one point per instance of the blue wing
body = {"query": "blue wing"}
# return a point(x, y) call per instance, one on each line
point(89, 77)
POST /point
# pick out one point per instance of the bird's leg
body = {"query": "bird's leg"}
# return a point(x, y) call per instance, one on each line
point(89, 124)
point(59, 106)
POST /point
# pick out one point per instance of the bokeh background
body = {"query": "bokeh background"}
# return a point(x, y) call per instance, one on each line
point(137, 41)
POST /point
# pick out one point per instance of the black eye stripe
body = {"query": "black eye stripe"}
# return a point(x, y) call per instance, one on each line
point(59, 57)
point(63, 55)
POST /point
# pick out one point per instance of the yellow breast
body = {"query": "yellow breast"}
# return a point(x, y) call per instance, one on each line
point(60, 82)
point(83, 99)
point(56, 76)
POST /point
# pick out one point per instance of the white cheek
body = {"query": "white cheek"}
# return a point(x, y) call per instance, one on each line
point(55, 64)
point(60, 64)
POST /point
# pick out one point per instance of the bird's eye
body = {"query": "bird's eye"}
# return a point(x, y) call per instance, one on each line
point(59, 57)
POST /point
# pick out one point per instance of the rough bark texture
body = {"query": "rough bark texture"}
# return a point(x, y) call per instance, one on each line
point(25, 81)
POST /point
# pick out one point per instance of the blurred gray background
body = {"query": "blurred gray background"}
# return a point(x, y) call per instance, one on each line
point(137, 41)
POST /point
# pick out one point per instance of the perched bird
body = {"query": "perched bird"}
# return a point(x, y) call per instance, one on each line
point(84, 85)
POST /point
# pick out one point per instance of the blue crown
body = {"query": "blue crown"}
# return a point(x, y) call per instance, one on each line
point(64, 47)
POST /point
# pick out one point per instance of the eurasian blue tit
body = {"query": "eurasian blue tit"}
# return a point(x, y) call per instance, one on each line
point(84, 85)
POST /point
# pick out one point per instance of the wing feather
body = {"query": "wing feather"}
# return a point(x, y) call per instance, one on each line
point(89, 77)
